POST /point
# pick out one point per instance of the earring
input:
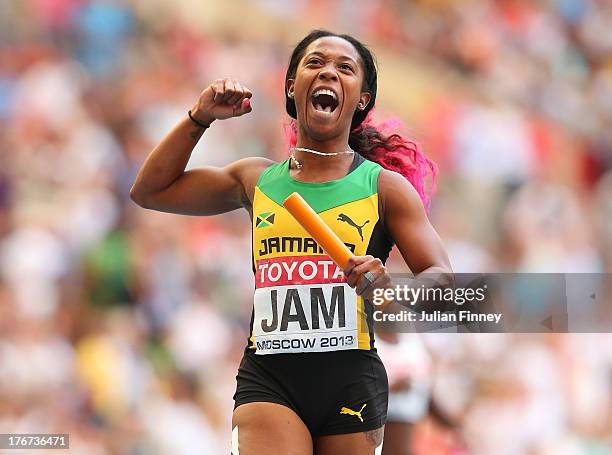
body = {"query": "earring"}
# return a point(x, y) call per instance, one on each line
point(360, 106)
point(290, 95)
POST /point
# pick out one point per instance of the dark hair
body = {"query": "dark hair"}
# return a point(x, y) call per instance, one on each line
point(374, 141)
point(369, 67)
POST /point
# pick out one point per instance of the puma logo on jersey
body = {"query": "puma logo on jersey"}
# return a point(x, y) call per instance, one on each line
point(353, 413)
point(347, 220)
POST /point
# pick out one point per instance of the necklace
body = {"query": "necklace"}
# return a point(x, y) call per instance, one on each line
point(298, 165)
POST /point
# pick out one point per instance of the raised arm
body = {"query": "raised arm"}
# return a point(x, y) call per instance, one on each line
point(163, 184)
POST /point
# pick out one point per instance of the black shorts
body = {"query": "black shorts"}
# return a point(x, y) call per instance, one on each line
point(333, 392)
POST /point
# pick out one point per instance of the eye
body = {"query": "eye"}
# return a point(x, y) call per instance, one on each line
point(314, 61)
point(346, 67)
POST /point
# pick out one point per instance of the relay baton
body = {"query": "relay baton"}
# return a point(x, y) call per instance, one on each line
point(316, 227)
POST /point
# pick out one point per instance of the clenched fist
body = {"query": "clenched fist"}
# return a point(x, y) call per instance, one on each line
point(224, 98)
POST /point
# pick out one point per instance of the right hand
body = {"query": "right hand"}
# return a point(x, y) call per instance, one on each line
point(224, 98)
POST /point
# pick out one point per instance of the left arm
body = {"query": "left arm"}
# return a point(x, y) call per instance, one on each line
point(405, 220)
point(407, 223)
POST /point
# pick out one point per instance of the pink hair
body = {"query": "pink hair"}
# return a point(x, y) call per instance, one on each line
point(382, 143)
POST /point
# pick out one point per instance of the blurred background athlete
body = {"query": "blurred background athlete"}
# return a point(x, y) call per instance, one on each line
point(310, 379)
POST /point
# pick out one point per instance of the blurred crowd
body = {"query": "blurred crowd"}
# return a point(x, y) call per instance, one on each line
point(124, 327)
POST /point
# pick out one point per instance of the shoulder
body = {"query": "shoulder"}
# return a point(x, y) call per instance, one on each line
point(247, 171)
point(250, 165)
point(396, 194)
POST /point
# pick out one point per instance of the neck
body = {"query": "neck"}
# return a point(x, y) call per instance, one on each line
point(333, 145)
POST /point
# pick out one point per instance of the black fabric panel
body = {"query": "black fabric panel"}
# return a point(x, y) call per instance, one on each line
point(380, 243)
point(380, 246)
point(357, 160)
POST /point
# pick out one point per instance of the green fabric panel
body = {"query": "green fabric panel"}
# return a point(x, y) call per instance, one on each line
point(276, 183)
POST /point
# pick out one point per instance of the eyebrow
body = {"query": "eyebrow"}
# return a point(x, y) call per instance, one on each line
point(321, 54)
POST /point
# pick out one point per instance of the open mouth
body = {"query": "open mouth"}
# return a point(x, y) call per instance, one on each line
point(324, 100)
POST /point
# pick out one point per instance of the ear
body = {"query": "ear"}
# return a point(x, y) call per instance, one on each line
point(364, 99)
point(290, 87)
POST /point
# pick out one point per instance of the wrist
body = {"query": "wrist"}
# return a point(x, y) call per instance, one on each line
point(200, 118)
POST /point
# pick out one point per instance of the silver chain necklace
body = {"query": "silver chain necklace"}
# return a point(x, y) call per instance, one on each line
point(298, 165)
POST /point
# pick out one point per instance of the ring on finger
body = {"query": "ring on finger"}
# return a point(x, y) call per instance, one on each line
point(370, 277)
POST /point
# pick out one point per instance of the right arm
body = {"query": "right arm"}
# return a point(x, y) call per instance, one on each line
point(163, 184)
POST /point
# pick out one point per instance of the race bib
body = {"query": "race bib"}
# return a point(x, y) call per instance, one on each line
point(303, 304)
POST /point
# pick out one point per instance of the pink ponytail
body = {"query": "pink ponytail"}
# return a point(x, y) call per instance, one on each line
point(382, 143)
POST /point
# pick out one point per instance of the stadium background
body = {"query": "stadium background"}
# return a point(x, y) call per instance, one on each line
point(124, 327)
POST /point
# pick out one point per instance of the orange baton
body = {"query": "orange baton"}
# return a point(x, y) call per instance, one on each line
point(316, 227)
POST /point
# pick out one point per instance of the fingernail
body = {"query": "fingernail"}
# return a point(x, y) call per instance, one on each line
point(246, 103)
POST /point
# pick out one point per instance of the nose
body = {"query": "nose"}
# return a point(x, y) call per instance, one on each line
point(328, 73)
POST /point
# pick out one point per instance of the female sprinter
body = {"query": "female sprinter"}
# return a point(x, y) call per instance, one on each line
point(310, 380)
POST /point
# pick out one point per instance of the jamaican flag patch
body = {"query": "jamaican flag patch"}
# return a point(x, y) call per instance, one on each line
point(264, 219)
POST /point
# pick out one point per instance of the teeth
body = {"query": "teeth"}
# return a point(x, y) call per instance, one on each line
point(323, 91)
